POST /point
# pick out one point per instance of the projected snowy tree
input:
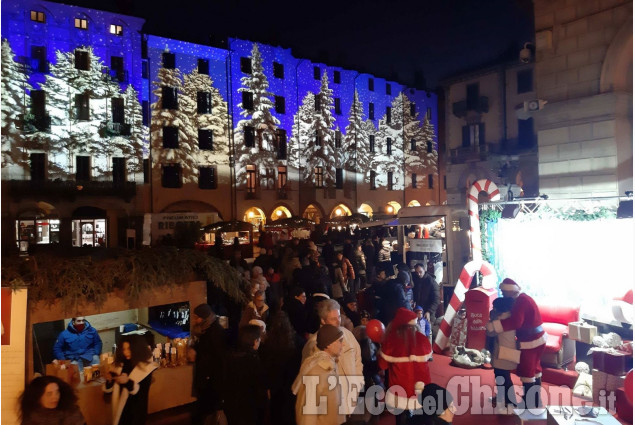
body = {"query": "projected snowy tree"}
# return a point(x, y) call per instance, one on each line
point(134, 144)
point(365, 156)
point(259, 118)
point(355, 146)
point(418, 161)
point(303, 133)
point(322, 151)
point(172, 132)
point(389, 149)
point(431, 158)
point(195, 85)
point(14, 84)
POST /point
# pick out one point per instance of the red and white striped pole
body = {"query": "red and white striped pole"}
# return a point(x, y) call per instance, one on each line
point(477, 263)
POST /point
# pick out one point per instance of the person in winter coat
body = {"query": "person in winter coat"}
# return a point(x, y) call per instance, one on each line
point(347, 271)
point(245, 389)
point(393, 296)
point(369, 254)
point(349, 365)
point(129, 381)
point(208, 354)
point(426, 292)
point(383, 259)
point(405, 353)
point(79, 342)
point(322, 369)
point(295, 307)
point(256, 309)
point(47, 400)
point(359, 266)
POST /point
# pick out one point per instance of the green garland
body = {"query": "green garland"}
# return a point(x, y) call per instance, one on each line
point(86, 278)
point(485, 217)
point(598, 213)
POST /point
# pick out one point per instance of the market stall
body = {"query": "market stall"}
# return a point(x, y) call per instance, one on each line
point(230, 234)
point(291, 227)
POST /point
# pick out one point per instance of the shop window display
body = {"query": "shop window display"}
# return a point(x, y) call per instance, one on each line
point(89, 232)
point(38, 231)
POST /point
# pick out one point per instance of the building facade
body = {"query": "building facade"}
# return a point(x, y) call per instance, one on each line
point(102, 122)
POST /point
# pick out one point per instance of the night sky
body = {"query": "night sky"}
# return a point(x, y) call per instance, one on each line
point(405, 40)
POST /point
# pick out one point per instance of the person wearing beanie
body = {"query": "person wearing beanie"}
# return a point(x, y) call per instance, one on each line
point(349, 364)
point(405, 353)
point(525, 319)
point(317, 374)
point(350, 309)
point(208, 354)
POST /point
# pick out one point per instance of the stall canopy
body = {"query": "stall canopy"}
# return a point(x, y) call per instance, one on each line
point(229, 226)
point(384, 222)
point(294, 222)
point(345, 220)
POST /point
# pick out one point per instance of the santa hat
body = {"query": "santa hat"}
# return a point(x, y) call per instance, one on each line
point(404, 317)
point(509, 285)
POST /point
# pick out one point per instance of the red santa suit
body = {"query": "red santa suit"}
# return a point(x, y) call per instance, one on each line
point(526, 321)
point(407, 362)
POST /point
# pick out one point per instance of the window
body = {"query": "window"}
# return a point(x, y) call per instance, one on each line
point(371, 84)
point(146, 170)
point(338, 105)
point(388, 114)
point(279, 101)
point(413, 110)
point(117, 110)
point(373, 177)
point(371, 111)
point(38, 16)
point(170, 137)
point(81, 23)
point(82, 61)
point(169, 98)
point(390, 182)
point(337, 77)
point(414, 181)
point(388, 89)
point(38, 59)
point(282, 177)
point(250, 136)
point(430, 181)
point(203, 102)
point(429, 146)
point(445, 182)
point(38, 167)
point(524, 81)
point(269, 178)
point(473, 135)
point(203, 66)
point(281, 139)
point(318, 139)
point(82, 168)
point(413, 145)
point(316, 72)
point(339, 178)
point(205, 139)
point(118, 171)
point(278, 70)
point(82, 107)
point(526, 133)
point(171, 176)
point(144, 69)
point(207, 178)
point(388, 146)
point(338, 139)
point(317, 102)
point(38, 231)
point(429, 113)
point(116, 29)
point(245, 65)
point(88, 232)
point(472, 96)
point(116, 68)
point(145, 110)
point(144, 48)
point(319, 176)
point(38, 103)
point(169, 60)
point(371, 143)
point(251, 179)
point(248, 100)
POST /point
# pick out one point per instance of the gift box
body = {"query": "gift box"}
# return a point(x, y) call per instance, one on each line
point(583, 332)
point(613, 362)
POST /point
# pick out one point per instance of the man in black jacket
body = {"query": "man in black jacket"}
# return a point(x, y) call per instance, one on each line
point(208, 354)
point(426, 292)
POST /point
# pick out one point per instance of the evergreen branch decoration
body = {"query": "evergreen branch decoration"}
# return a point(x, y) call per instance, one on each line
point(486, 217)
point(79, 279)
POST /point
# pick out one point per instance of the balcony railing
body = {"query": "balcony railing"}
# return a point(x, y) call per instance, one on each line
point(33, 123)
point(109, 129)
point(469, 153)
point(70, 189)
point(460, 109)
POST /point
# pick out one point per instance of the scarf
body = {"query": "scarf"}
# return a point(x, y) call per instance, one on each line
point(319, 357)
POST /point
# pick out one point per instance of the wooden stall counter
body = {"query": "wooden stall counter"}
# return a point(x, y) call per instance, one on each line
point(171, 387)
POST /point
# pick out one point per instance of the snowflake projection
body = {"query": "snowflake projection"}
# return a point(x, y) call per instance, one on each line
point(260, 149)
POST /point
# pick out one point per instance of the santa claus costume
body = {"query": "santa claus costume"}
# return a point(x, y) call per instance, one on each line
point(405, 353)
point(526, 321)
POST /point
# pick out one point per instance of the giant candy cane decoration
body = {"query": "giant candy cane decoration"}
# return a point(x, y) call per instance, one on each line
point(477, 263)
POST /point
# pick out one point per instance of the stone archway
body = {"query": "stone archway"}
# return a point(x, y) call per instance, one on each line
point(280, 212)
point(314, 213)
point(340, 211)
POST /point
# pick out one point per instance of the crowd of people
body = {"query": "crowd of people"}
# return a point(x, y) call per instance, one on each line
point(302, 354)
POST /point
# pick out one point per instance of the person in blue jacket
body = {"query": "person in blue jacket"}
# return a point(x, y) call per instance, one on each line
point(79, 342)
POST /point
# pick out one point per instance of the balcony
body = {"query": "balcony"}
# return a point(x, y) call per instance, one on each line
point(481, 106)
point(111, 129)
point(35, 123)
point(115, 76)
point(253, 194)
point(469, 154)
point(70, 189)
